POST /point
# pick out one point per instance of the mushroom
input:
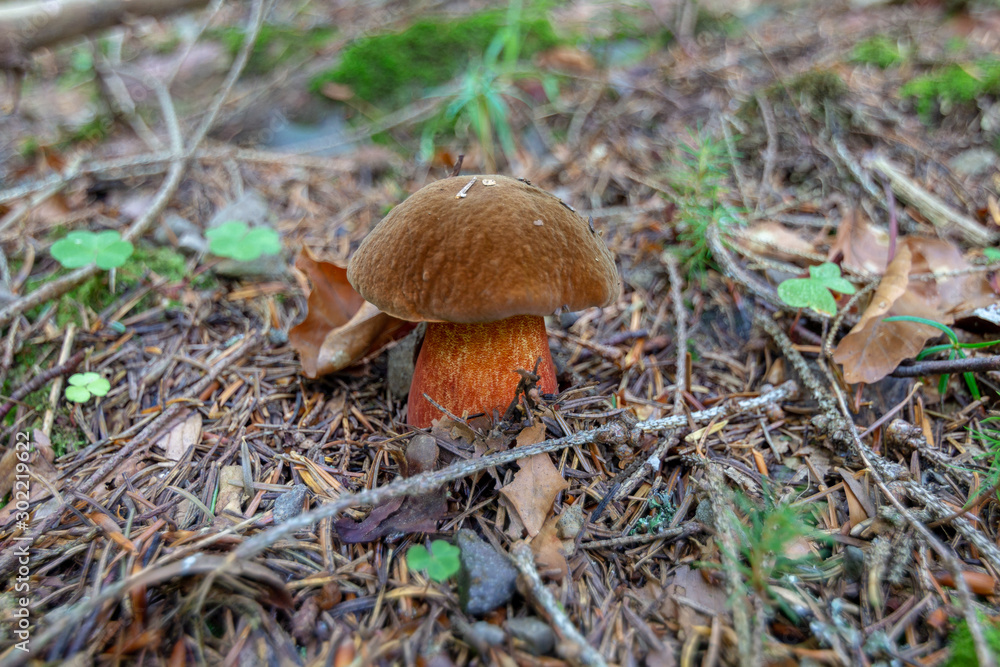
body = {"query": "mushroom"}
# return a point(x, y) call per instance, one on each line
point(482, 260)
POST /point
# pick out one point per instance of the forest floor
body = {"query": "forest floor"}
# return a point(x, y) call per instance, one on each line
point(745, 464)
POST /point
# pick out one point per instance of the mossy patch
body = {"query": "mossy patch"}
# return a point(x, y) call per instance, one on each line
point(952, 85)
point(275, 44)
point(391, 69)
point(879, 51)
point(963, 650)
point(95, 295)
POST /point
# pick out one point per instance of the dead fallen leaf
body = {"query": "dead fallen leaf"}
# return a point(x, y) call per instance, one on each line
point(566, 59)
point(535, 485)
point(548, 550)
point(230, 490)
point(874, 348)
point(765, 238)
point(951, 294)
point(417, 514)
point(340, 327)
point(183, 432)
point(863, 246)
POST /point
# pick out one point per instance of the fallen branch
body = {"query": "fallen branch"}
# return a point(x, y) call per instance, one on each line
point(25, 27)
point(939, 367)
point(579, 649)
point(934, 209)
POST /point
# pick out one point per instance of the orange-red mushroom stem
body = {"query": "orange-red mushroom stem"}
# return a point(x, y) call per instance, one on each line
point(472, 368)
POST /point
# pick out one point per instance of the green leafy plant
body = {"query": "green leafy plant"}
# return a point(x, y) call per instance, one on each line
point(236, 240)
point(955, 349)
point(82, 386)
point(82, 248)
point(992, 254)
point(988, 435)
point(700, 179)
point(440, 563)
point(480, 103)
point(770, 527)
point(814, 291)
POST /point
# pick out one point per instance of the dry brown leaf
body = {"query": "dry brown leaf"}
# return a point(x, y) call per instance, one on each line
point(184, 432)
point(535, 485)
point(340, 327)
point(952, 294)
point(864, 247)
point(764, 238)
point(548, 550)
point(874, 348)
point(230, 490)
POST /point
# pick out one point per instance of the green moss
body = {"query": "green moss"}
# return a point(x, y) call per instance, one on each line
point(955, 84)
point(963, 650)
point(94, 294)
point(275, 44)
point(879, 51)
point(818, 86)
point(391, 69)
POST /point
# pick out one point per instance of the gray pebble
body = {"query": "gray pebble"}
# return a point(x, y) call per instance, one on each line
point(489, 633)
point(534, 632)
point(289, 504)
point(486, 578)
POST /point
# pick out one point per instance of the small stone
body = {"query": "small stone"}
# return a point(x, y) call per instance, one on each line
point(488, 633)
point(486, 578)
point(973, 162)
point(534, 632)
point(289, 504)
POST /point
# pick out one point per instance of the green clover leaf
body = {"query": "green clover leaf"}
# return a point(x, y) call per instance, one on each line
point(82, 248)
point(992, 254)
point(236, 240)
point(814, 291)
point(440, 563)
point(84, 385)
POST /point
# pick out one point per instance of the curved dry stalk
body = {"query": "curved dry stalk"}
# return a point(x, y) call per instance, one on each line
point(524, 560)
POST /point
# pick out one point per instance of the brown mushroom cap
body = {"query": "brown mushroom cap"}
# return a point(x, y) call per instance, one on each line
point(506, 248)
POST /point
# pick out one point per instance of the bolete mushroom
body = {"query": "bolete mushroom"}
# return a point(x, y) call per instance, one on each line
point(482, 259)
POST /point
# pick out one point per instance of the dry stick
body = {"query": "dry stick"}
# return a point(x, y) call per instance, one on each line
point(40, 380)
point(525, 562)
point(681, 342)
point(970, 365)
point(64, 354)
point(770, 152)
point(936, 210)
point(8, 558)
point(842, 313)
point(727, 530)
point(642, 538)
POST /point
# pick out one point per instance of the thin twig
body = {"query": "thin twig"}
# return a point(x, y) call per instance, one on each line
point(525, 563)
point(941, 366)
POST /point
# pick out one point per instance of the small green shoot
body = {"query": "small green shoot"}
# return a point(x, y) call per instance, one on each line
point(238, 241)
point(82, 248)
point(700, 178)
point(988, 436)
point(992, 254)
point(440, 563)
point(954, 347)
point(82, 386)
point(814, 291)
